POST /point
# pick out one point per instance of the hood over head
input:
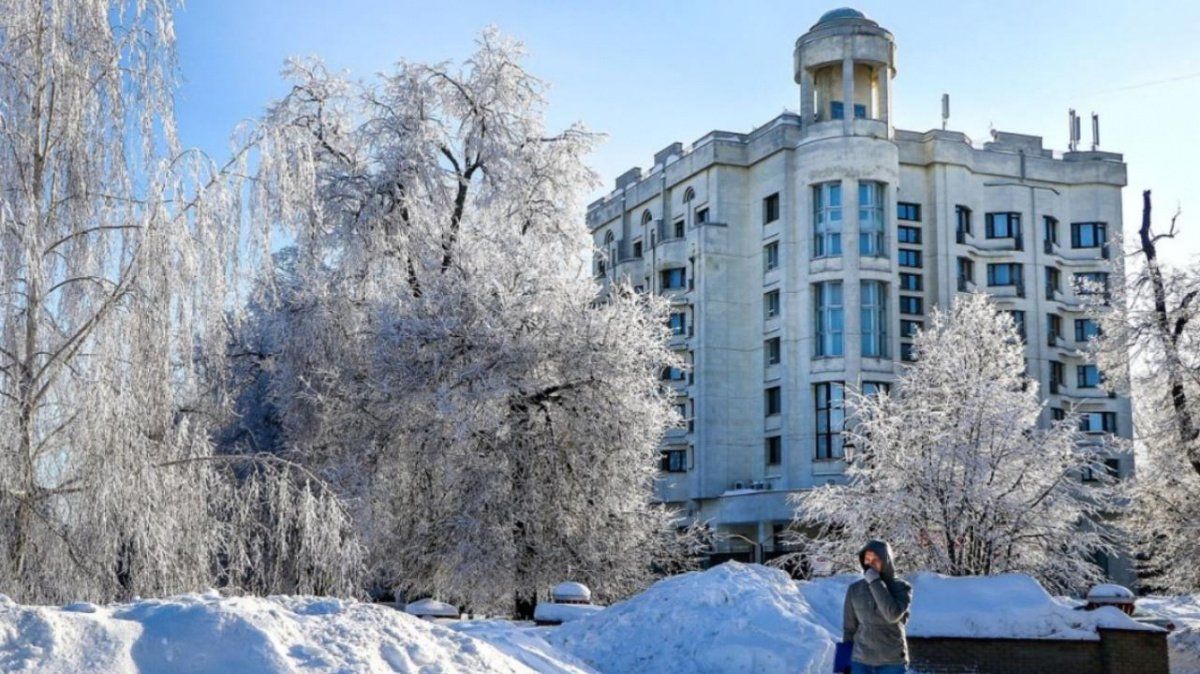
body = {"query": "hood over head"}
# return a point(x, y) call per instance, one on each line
point(884, 552)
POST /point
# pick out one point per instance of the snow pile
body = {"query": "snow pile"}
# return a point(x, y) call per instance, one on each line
point(196, 634)
point(1010, 605)
point(731, 618)
point(547, 612)
point(1184, 640)
point(525, 643)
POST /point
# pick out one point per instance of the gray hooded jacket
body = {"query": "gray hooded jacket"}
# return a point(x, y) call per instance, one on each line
point(876, 612)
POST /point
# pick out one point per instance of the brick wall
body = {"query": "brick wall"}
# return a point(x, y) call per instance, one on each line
point(1117, 652)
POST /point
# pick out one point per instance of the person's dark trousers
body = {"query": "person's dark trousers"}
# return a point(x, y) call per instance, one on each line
point(860, 668)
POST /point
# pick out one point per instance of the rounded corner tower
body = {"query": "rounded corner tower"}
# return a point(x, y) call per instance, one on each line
point(844, 65)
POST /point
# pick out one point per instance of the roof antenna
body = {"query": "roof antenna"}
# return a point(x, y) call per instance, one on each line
point(1072, 130)
point(1095, 132)
point(945, 110)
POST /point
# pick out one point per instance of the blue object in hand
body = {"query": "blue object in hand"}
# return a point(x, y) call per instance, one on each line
point(841, 657)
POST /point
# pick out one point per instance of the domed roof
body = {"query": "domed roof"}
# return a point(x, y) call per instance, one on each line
point(841, 13)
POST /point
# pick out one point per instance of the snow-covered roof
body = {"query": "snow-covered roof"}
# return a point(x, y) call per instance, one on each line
point(1108, 592)
point(431, 608)
point(571, 591)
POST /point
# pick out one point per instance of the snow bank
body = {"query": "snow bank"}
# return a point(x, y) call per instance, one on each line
point(731, 618)
point(1184, 640)
point(526, 643)
point(196, 634)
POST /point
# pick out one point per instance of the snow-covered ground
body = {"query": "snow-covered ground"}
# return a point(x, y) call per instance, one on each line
point(732, 618)
point(1184, 641)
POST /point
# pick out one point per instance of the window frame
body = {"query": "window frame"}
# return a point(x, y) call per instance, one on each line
point(770, 208)
point(828, 340)
point(829, 421)
point(827, 236)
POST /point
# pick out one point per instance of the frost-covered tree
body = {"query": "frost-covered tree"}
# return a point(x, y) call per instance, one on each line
point(434, 345)
point(952, 469)
point(115, 270)
point(1150, 337)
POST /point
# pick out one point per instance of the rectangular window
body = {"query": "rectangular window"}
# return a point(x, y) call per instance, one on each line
point(830, 406)
point(672, 374)
point(772, 351)
point(908, 352)
point(871, 388)
point(966, 273)
point(911, 281)
point(1098, 422)
point(1058, 413)
point(827, 300)
point(870, 219)
point(637, 249)
point(906, 234)
point(673, 461)
point(1004, 274)
point(827, 220)
point(1058, 376)
point(1018, 318)
point(910, 258)
point(771, 304)
point(1002, 225)
point(1050, 235)
point(771, 208)
point(1091, 283)
point(1088, 234)
point(673, 279)
point(873, 315)
point(774, 450)
point(1053, 282)
point(962, 216)
point(1085, 329)
point(913, 306)
point(836, 110)
point(1053, 328)
point(678, 233)
point(773, 401)
point(678, 323)
point(909, 329)
point(860, 111)
point(907, 211)
point(702, 216)
point(770, 256)
point(1087, 376)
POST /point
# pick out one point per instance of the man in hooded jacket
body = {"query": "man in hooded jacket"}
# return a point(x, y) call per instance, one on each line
point(875, 614)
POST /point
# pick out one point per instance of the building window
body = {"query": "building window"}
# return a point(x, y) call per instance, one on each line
point(827, 220)
point(860, 111)
point(1053, 282)
point(1058, 413)
point(702, 216)
point(913, 306)
point(831, 419)
point(1053, 328)
point(772, 351)
point(1091, 283)
point(1002, 225)
point(770, 256)
point(907, 211)
point(1098, 422)
point(909, 328)
point(836, 110)
point(773, 401)
point(771, 304)
point(1050, 236)
point(911, 281)
point(906, 234)
point(678, 323)
point(962, 216)
point(1058, 376)
point(637, 248)
point(688, 195)
point(870, 219)
point(771, 208)
point(908, 352)
point(677, 230)
point(774, 450)
point(1004, 274)
point(673, 279)
point(1088, 234)
point(910, 258)
point(673, 461)
point(829, 325)
point(1087, 376)
point(1018, 319)
point(1085, 329)
point(873, 314)
point(966, 273)
point(672, 374)
point(871, 388)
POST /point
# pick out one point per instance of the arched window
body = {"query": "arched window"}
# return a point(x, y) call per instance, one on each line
point(647, 217)
point(688, 195)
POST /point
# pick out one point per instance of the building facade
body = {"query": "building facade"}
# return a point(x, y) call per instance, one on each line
point(800, 258)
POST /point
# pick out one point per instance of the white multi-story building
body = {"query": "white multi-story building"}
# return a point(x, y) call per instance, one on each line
point(801, 257)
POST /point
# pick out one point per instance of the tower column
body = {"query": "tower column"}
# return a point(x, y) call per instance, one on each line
point(847, 92)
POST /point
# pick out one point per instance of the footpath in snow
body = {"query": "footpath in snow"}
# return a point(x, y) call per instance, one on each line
point(732, 618)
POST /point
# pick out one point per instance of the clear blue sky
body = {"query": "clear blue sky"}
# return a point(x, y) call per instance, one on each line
point(647, 74)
